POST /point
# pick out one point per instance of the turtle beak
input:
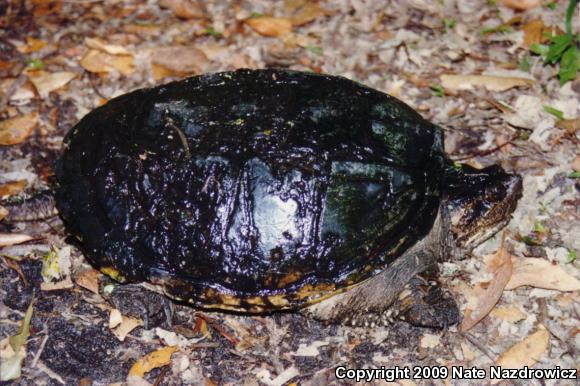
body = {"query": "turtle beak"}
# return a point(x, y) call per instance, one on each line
point(483, 205)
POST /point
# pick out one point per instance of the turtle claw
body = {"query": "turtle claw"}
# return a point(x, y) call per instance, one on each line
point(426, 304)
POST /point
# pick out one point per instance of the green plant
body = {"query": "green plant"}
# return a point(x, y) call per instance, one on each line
point(562, 49)
point(449, 24)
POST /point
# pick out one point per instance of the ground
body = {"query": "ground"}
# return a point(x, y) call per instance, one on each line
point(465, 65)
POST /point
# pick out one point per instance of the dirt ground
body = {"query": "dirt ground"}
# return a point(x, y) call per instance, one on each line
point(60, 59)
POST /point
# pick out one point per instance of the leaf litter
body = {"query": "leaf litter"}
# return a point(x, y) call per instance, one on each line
point(411, 49)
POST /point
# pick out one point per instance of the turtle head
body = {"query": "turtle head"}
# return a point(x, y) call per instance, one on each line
point(480, 202)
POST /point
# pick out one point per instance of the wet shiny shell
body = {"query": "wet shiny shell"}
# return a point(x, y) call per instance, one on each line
point(250, 190)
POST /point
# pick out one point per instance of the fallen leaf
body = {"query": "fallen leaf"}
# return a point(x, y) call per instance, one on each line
point(430, 341)
point(213, 51)
point(7, 239)
point(89, 279)
point(510, 314)
point(46, 82)
point(153, 360)
point(520, 5)
point(144, 30)
point(281, 379)
point(307, 14)
point(10, 368)
point(122, 325)
point(185, 9)
point(270, 26)
point(178, 60)
point(3, 212)
point(23, 92)
point(540, 273)
point(201, 327)
point(492, 83)
point(527, 352)
point(15, 130)
point(501, 266)
point(570, 125)
point(310, 350)
point(12, 188)
point(57, 286)
point(32, 45)
point(19, 340)
point(575, 166)
point(102, 62)
point(107, 48)
point(115, 318)
point(467, 351)
point(533, 32)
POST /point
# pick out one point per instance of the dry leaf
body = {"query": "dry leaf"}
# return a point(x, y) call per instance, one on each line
point(178, 60)
point(12, 188)
point(281, 379)
point(430, 341)
point(527, 352)
point(492, 83)
point(26, 91)
point(509, 314)
point(540, 273)
point(14, 352)
point(533, 31)
point(310, 350)
point(467, 351)
point(56, 286)
point(15, 130)
point(122, 325)
point(186, 9)
point(46, 82)
point(576, 164)
point(270, 26)
point(115, 318)
point(306, 14)
point(7, 239)
point(520, 5)
point(570, 125)
point(112, 49)
point(89, 279)
point(3, 213)
point(213, 51)
point(102, 62)
point(501, 264)
point(153, 360)
point(127, 325)
point(32, 45)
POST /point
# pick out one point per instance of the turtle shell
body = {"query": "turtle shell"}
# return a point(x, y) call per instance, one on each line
point(252, 190)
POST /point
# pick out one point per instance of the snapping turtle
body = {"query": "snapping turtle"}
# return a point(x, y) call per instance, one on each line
point(266, 190)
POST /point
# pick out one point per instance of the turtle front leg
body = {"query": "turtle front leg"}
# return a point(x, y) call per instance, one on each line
point(370, 303)
point(424, 303)
point(407, 290)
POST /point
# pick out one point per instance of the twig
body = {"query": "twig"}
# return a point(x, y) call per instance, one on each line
point(15, 266)
point(182, 137)
point(219, 329)
point(40, 349)
point(161, 376)
point(479, 346)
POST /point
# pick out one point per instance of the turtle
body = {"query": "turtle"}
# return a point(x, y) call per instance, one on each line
point(265, 191)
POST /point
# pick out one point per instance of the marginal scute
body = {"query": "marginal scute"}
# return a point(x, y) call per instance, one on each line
point(253, 190)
